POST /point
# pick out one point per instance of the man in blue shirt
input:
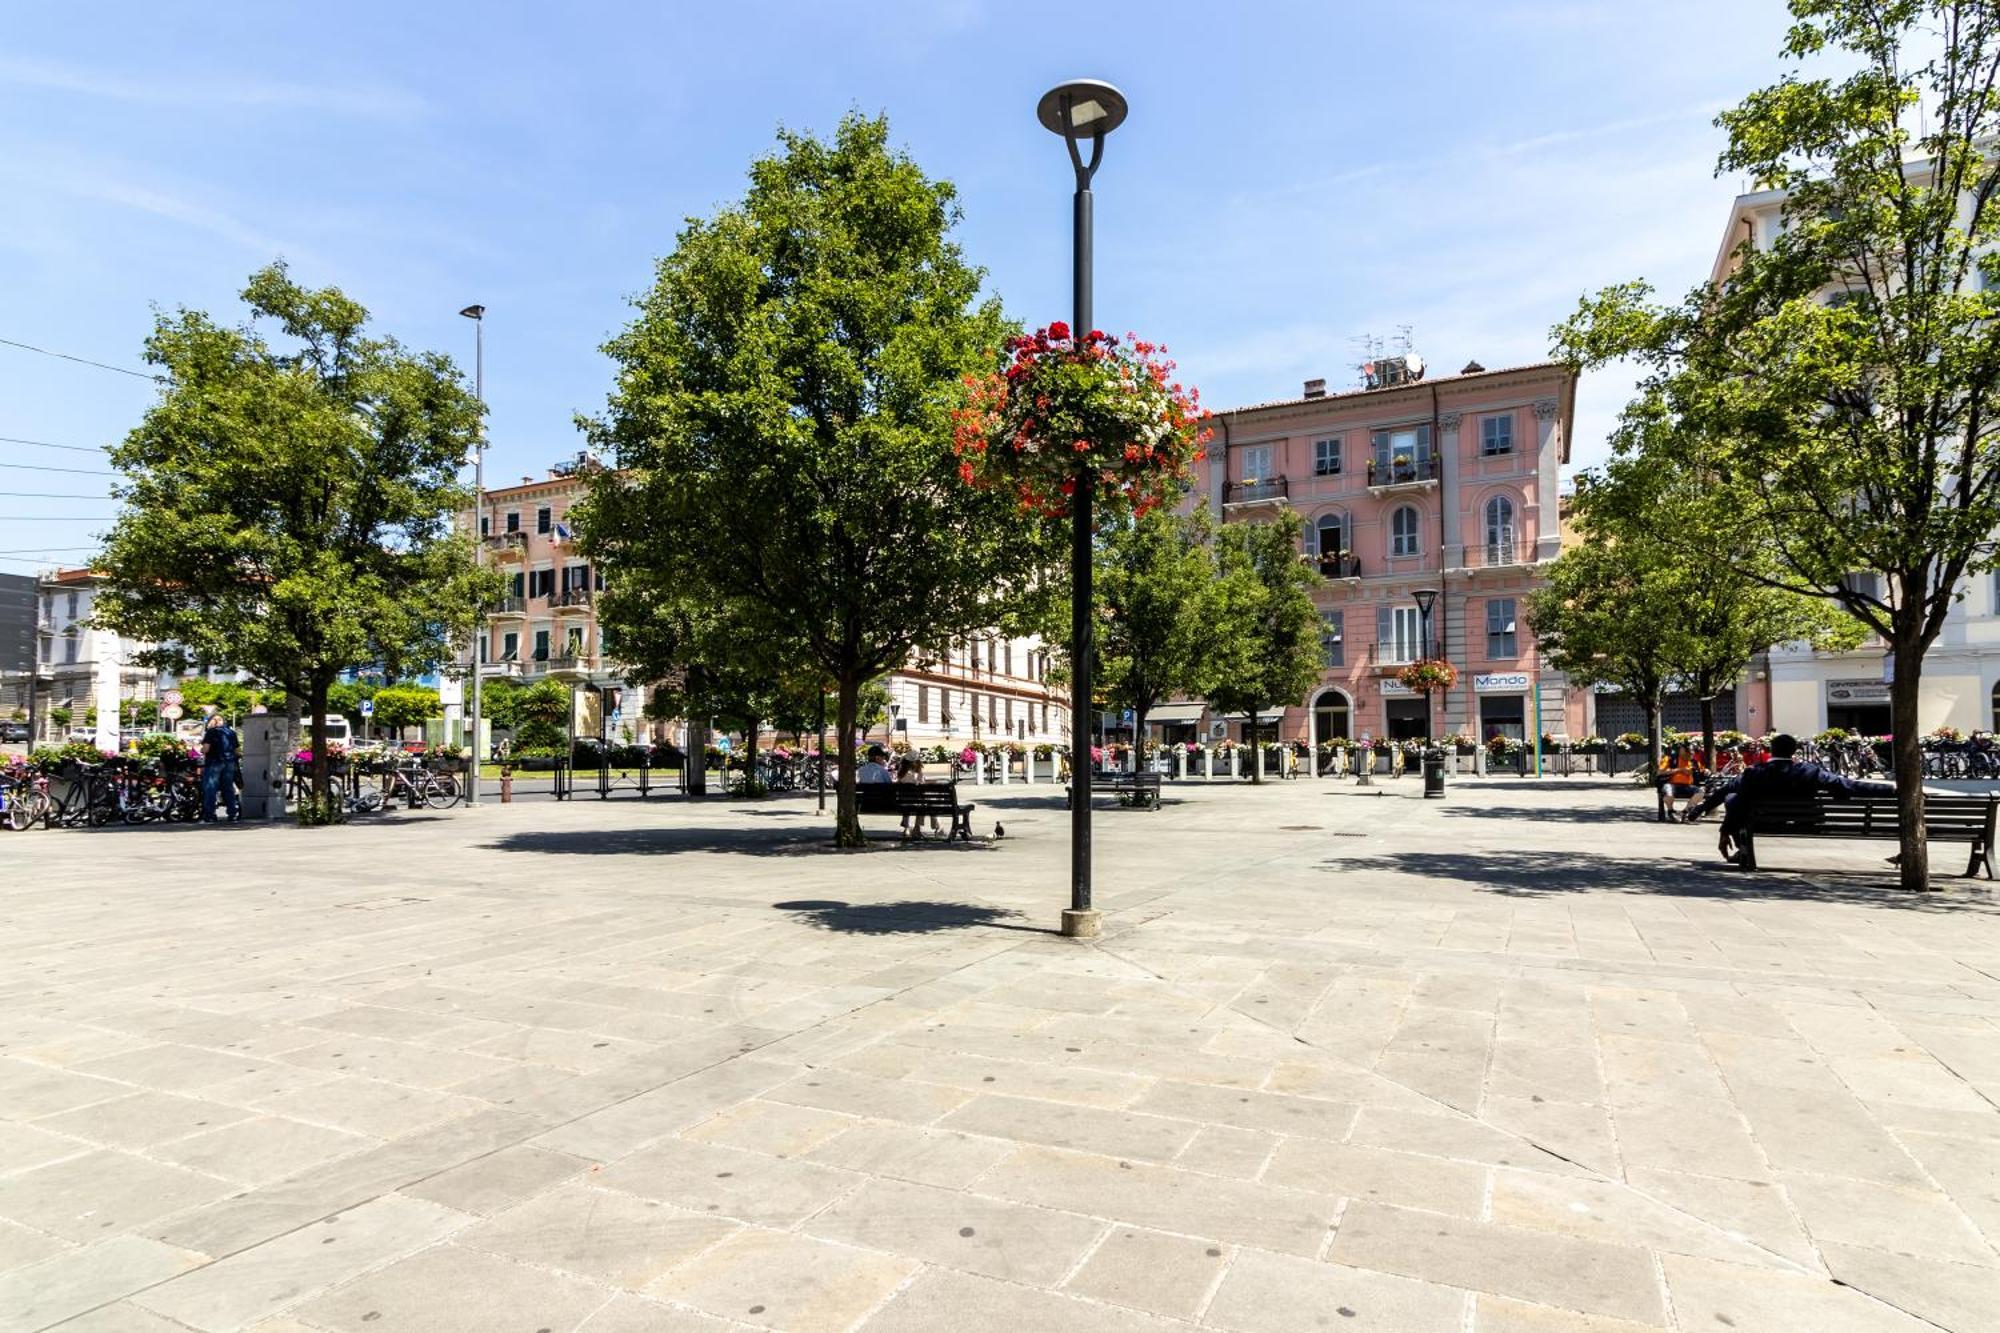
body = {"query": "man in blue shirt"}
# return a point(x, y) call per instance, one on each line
point(218, 769)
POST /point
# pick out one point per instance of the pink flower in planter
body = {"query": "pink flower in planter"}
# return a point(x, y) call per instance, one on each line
point(1096, 754)
point(968, 756)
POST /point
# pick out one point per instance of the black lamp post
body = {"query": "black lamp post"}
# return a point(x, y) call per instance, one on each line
point(1081, 111)
point(1425, 598)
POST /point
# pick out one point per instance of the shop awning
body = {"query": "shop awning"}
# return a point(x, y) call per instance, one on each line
point(1175, 713)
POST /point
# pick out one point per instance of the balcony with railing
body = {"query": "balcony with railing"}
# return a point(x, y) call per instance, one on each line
point(1388, 474)
point(506, 546)
point(572, 601)
point(1343, 566)
point(1394, 656)
point(508, 608)
point(1498, 553)
point(1255, 491)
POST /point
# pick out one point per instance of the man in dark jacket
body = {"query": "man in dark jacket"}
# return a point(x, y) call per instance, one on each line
point(1783, 778)
point(218, 769)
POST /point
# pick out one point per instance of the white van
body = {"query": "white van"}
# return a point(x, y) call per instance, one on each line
point(337, 732)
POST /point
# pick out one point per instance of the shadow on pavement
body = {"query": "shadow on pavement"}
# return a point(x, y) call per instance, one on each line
point(1623, 813)
point(910, 917)
point(766, 840)
point(1537, 874)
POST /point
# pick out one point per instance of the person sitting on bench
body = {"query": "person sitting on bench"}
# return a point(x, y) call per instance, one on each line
point(910, 771)
point(1782, 778)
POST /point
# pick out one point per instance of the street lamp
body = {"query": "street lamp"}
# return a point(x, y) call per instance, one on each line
point(1425, 598)
point(1083, 110)
point(477, 314)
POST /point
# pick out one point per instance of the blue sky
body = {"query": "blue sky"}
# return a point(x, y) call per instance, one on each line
point(1292, 176)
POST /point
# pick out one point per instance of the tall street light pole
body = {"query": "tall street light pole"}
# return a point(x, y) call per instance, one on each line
point(477, 314)
point(1425, 598)
point(1083, 110)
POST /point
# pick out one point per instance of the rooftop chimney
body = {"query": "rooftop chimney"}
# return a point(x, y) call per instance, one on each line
point(1316, 388)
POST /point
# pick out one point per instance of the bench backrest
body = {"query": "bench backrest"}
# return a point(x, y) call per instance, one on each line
point(893, 798)
point(1946, 818)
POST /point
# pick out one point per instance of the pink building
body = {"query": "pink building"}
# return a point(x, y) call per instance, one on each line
point(1447, 483)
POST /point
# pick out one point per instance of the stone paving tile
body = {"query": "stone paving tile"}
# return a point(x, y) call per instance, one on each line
point(29, 1090)
point(1225, 1151)
point(499, 1180)
point(25, 1146)
point(638, 1314)
point(777, 1128)
point(84, 1197)
point(1710, 1132)
point(959, 1230)
point(125, 1317)
point(1954, 1296)
point(1278, 1113)
point(1497, 1314)
point(1923, 1223)
point(671, 1106)
point(267, 1278)
point(449, 1289)
point(172, 1068)
point(607, 1236)
point(1968, 1168)
point(143, 1119)
point(1274, 1293)
point(1165, 1199)
point(903, 1152)
point(1460, 1137)
point(367, 1106)
point(1380, 1175)
point(980, 1073)
point(942, 1299)
point(1707, 1294)
point(69, 1284)
point(1152, 1271)
point(774, 1279)
point(21, 1246)
point(1586, 1276)
point(1615, 1214)
point(260, 1149)
point(1063, 1125)
point(728, 1182)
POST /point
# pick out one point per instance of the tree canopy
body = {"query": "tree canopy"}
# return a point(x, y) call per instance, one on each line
point(288, 509)
point(781, 422)
point(1843, 377)
point(1264, 647)
point(1154, 574)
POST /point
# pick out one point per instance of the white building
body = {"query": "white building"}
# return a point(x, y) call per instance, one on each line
point(79, 666)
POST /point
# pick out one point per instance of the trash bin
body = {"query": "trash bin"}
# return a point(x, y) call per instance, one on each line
point(1434, 774)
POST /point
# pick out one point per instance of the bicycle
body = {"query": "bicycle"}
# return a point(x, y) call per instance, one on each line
point(24, 797)
point(418, 785)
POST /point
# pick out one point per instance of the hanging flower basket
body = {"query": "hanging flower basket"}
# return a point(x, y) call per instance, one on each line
point(1428, 674)
point(1069, 408)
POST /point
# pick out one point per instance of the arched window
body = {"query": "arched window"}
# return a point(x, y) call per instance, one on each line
point(1403, 531)
point(1331, 533)
point(1499, 531)
point(1330, 716)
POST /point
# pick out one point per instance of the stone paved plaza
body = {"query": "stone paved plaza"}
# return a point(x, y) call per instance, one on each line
point(1520, 1062)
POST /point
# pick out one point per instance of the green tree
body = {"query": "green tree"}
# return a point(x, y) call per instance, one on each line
point(398, 707)
point(1608, 615)
point(290, 509)
point(232, 699)
point(500, 703)
point(1264, 649)
point(541, 715)
point(1152, 582)
point(1719, 576)
point(1847, 375)
point(782, 424)
point(345, 698)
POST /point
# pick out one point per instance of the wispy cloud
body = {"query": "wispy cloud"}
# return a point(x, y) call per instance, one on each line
point(44, 173)
point(217, 90)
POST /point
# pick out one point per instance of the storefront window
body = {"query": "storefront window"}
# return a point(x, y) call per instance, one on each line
point(1502, 715)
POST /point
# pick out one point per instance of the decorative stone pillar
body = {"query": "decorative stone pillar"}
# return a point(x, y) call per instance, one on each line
point(265, 757)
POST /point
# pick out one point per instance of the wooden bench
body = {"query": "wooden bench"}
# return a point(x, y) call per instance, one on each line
point(1134, 790)
point(931, 799)
point(1946, 819)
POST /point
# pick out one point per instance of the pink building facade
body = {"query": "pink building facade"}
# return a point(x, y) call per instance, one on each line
point(1449, 484)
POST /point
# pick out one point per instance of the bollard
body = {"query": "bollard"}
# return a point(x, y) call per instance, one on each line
point(506, 784)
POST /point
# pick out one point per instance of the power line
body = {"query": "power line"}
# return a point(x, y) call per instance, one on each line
point(44, 444)
point(52, 495)
point(82, 360)
point(44, 467)
point(43, 550)
point(51, 518)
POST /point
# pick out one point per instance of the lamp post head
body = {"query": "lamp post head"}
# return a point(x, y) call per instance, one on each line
point(1424, 597)
point(474, 312)
point(1081, 109)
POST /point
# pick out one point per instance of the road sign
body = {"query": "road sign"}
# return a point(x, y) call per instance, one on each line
point(172, 712)
point(171, 697)
point(367, 708)
point(723, 745)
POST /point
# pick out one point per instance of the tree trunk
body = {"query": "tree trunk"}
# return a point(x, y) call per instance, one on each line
point(750, 757)
point(1653, 733)
point(1907, 753)
point(1708, 730)
point(1139, 738)
point(1256, 749)
point(696, 758)
point(846, 818)
point(322, 762)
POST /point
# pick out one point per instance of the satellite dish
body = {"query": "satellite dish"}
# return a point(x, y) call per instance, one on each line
point(1416, 365)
